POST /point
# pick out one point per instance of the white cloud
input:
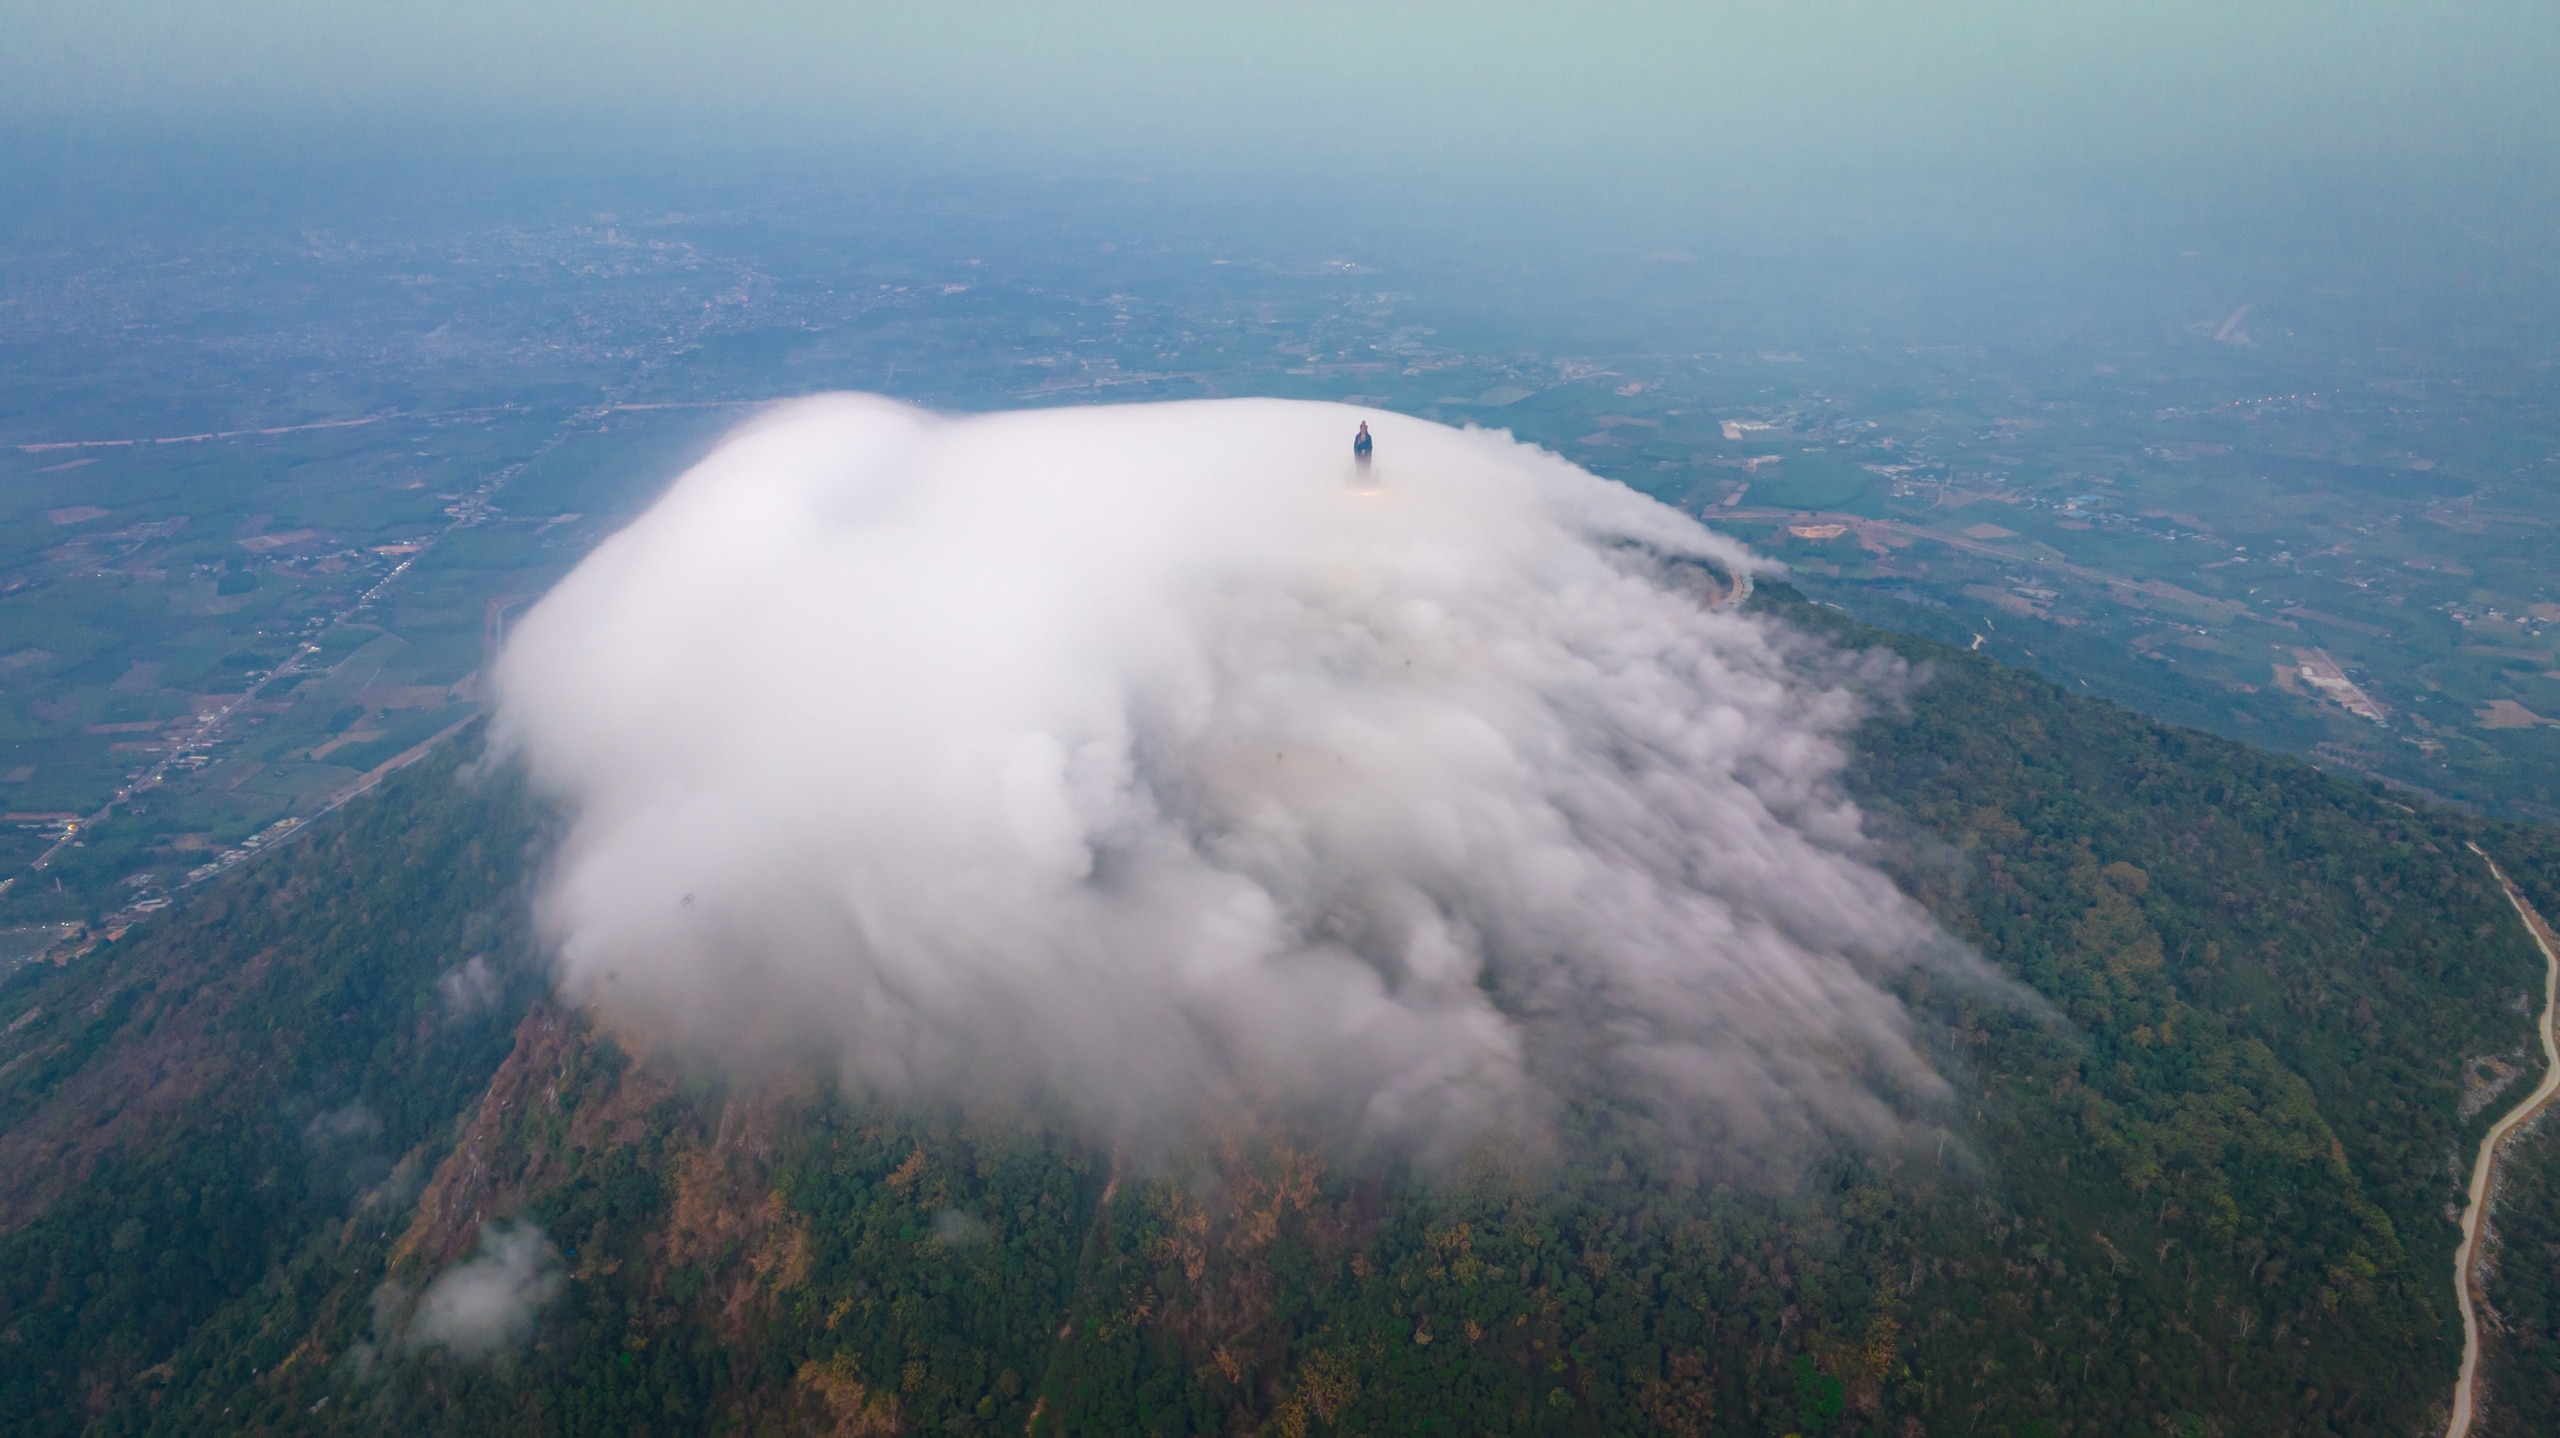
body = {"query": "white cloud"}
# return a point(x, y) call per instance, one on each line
point(468, 987)
point(486, 1304)
point(353, 1123)
point(1138, 761)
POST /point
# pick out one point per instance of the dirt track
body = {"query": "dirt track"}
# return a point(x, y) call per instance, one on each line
point(2466, 1260)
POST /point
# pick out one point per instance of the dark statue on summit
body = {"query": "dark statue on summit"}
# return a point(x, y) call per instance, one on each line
point(1360, 443)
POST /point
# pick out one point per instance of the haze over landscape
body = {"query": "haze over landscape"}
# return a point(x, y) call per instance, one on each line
point(704, 725)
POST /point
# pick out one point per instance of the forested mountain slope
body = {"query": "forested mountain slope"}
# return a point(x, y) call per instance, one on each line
point(2202, 1188)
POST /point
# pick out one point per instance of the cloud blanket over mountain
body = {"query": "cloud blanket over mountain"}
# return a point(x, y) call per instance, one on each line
point(1151, 762)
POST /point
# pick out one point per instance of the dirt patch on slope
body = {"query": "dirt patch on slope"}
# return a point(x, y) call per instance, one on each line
point(157, 1059)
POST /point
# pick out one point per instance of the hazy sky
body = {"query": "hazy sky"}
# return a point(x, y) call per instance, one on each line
point(2359, 90)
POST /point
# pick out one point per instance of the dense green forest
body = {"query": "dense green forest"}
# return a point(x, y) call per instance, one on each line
point(2203, 1186)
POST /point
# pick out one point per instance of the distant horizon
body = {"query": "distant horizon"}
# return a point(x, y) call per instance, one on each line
point(1688, 101)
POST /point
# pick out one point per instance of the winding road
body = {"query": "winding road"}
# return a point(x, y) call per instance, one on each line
point(2466, 1259)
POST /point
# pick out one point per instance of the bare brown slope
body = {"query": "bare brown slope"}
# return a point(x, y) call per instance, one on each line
point(277, 985)
point(567, 1096)
point(150, 1066)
